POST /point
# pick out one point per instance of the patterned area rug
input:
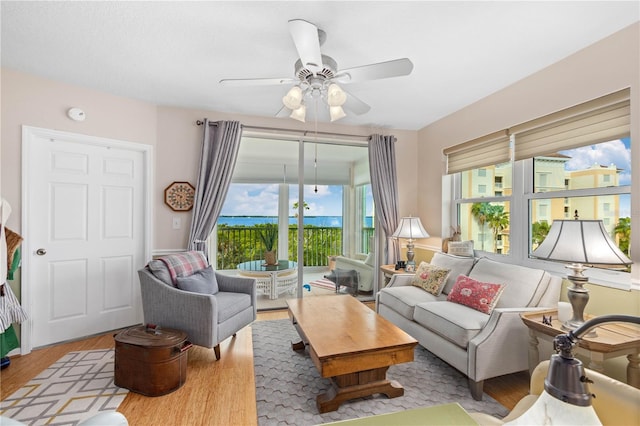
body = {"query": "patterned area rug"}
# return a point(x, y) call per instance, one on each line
point(77, 386)
point(287, 383)
point(323, 283)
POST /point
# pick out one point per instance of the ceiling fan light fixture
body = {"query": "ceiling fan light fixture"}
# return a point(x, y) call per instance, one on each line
point(293, 98)
point(336, 97)
point(336, 113)
point(299, 113)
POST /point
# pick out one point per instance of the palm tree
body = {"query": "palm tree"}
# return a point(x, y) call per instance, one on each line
point(479, 211)
point(498, 221)
point(539, 231)
point(623, 234)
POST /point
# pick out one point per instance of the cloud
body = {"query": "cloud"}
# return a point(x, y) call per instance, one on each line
point(251, 200)
point(604, 154)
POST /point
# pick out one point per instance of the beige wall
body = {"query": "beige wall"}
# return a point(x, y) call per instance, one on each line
point(605, 67)
point(34, 101)
point(38, 102)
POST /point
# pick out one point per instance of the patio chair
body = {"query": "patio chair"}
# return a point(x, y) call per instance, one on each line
point(208, 316)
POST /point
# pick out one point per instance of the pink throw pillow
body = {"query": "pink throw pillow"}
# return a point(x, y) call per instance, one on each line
point(475, 294)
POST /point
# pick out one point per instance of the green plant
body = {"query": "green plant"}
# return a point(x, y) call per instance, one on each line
point(269, 235)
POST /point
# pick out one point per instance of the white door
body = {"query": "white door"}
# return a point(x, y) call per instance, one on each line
point(84, 207)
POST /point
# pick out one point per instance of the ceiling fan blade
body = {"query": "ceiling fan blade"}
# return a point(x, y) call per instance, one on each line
point(395, 68)
point(256, 81)
point(305, 37)
point(355, 105)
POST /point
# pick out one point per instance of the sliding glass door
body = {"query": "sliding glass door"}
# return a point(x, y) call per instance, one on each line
point(320, 207)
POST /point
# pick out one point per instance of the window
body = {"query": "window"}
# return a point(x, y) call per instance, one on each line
point(588, 196)
point(482, 172)
point(574, 163)
point(483, 219)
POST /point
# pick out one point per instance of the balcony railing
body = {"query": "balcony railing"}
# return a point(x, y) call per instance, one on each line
point(237, 244)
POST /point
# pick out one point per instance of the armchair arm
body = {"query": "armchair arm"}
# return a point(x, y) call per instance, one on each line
point(234, 284)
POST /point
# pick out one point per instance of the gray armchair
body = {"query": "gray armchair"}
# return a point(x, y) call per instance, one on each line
point(208, 319)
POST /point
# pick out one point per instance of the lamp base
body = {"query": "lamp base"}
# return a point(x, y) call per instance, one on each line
point(578, 297)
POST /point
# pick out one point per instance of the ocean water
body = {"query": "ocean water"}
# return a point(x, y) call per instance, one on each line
point(323, 221)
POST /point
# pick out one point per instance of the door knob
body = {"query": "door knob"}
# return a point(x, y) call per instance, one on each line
point(41, 252)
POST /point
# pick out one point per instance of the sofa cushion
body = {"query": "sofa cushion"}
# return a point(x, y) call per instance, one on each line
point(458, 265)
point(202, 281)
point(475, 294)
point(524, 287)
point(461, 248)
point(431, 278)
point(456, 323)
point(230, 304)
point(404, 299)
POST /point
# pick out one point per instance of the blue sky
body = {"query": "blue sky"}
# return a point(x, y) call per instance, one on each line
point(262, 200)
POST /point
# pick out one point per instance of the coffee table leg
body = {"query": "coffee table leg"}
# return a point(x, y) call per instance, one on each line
point(357, 385)
point(298, 346)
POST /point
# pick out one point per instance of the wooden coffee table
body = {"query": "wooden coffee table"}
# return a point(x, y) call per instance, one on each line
point(351, 344)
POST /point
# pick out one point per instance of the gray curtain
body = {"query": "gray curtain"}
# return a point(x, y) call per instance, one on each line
point(219, 152)
point(384, 185)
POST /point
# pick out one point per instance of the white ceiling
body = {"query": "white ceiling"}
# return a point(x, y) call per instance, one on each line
point(174, 53)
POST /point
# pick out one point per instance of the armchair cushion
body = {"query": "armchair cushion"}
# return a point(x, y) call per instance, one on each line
point(202, 281)
point(231, 304)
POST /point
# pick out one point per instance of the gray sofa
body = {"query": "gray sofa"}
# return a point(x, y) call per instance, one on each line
point(480, 346)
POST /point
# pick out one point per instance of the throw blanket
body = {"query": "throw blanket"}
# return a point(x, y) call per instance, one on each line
point(184, 264)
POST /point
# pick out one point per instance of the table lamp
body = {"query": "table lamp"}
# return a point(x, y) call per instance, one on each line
point(566, 398)
point(579, 242)
point(410, 227)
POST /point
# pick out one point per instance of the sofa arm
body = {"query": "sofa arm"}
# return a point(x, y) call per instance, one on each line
point(501, 347)
point(399, 280)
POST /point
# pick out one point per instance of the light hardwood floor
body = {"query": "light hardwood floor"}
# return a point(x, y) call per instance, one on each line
point(215, 393)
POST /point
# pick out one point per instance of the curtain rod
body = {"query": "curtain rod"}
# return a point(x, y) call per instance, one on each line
point(294, 131)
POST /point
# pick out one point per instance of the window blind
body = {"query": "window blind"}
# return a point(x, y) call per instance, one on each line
point(600, 120)
point(484, 151)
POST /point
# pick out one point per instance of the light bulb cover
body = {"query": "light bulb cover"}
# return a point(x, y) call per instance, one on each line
point(336, 96)
point(293, 98)
point(299, 113)
point(336, 113)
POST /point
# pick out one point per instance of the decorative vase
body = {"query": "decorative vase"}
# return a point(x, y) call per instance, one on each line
point(270, 257)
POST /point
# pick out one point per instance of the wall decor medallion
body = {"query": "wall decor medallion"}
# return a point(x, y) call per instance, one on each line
point(179, 196)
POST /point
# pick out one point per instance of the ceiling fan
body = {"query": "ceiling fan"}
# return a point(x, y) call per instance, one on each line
point(317, 76)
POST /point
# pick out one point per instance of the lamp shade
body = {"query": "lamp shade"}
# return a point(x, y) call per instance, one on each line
point(410, 227)
point(299, 113)
point(580, 241)
point(336, 113)
point(293, 98)
point(336, 96)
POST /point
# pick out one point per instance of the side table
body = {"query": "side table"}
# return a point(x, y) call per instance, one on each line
point(612, 340)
